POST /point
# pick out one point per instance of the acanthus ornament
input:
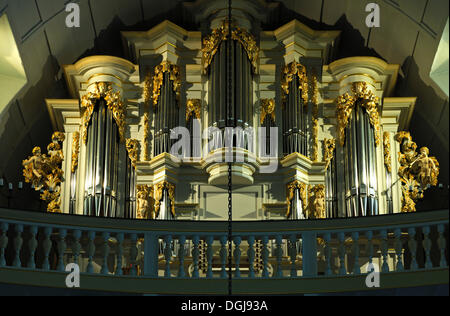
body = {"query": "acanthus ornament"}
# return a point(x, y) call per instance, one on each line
point(113, 101)
point(289, 71)
point(315, 116)
point(45, 173)
point(417, 171)
point(158, 195)
point(158, 80)
point(212, 43)
point(387, 151)
point(146, 136)
point(267, 108)
point(133, 151)
point(346, 104)
point(75, 151)
point(193, 108)
point(290, 193)
point(147, 91)
point(330, 146)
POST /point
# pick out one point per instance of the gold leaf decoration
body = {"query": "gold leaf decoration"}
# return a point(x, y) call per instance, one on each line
point(147, 92)
point(133, 150)
point(212, 43)
point(193, 108)
point(75, 151)
point(346, 104)
point(289, 72)
point(330, 146)
point(45, 172)
point(317, 202)
point(290, 190)
point(417, 171)
point(387, 151)
point(146, 136)
point(267, 108)
point(145, 202)
point(158, 80)
point(113, 101)
point(159, 189)
point(315, 116)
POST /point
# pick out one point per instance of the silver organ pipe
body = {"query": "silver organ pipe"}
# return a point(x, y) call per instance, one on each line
point(360, 166)
point(102, 163)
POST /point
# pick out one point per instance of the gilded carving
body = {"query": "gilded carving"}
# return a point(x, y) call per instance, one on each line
point(346, 104)
point(45, 174)
point(158, 80)
point(133, 151)
point(289, 72)
point(113, 101)
point(212, 43)
point(290, 190)
point(387, 151)
point(145, 202)
point(315, 117)
point(317, 202)
point(159, 190)
point(193, 108)
point(75, 151)
point(146, 136)
point(417, 171)
point(147, 91)
point(330, 146)
point(267, 108)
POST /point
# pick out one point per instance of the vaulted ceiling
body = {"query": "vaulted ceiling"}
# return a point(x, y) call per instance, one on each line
point(409, 35)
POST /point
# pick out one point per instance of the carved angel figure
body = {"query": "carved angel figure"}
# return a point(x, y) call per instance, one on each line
point(144, 209)
point(426, 168)
point(34, 169)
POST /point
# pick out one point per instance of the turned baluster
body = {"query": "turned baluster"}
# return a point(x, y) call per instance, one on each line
point(279, 256)
point(384, 250)
point(47, 246)
point(119, 253)
point(265, 256)
point(209, 256)
point(76, 246)
point(61, 249)
point(32, 245)
point(195, 255)
point(341, 252)
point(105, 253)
point(442, 244)
point(369, 249)
point(327, 239)
point(223, 256)
point(355, 238)
point(293, 254)
point(427, 247)
point(237, 256)
point(167, 255)
point(412, 244)
point(133, 254)
point(18, 241)
point(181, 254)
point(91, 251)
point(398, 249)
point(3, 243)
point(251, 253)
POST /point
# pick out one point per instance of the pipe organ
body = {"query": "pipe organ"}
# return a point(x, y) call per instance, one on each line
point(342, 149)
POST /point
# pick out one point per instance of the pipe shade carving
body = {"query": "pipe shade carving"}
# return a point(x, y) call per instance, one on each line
point(158, 80)
point(290, 190)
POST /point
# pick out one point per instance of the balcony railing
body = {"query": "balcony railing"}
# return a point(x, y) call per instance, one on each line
point(192, 257)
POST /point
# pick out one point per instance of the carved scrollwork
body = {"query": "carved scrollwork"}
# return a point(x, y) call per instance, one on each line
point(158, 80)
point(267, 108)
point(193, 108)
point(289, 71)
point(113, 101)
point(45, 172)
point(133, 151)
point(315, 116)
point(330, 146)
point(145, 202)
point(317, 202)
point(387, 151)
point(147, 91)
point(290, 191)
point(417, 171)
point(75, 151)
point(159, 190)
point(212, 42)
point(146, 136)
point(346, 104)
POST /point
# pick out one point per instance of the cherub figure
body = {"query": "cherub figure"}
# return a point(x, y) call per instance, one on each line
point(34, 169)
point(143, 203)
point(425, 167)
